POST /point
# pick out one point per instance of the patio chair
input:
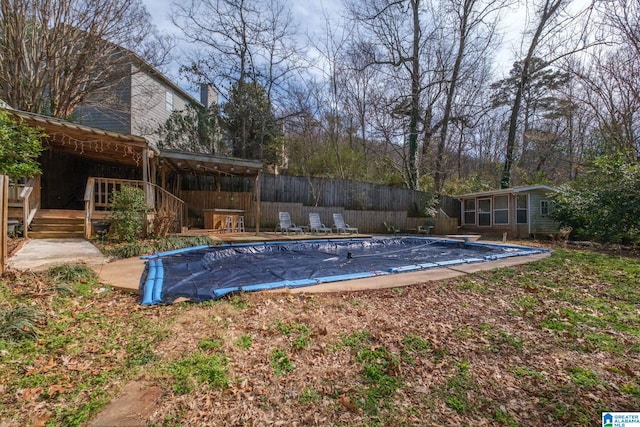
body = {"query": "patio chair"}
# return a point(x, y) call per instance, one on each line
point(286, 225)
point(316, 225)
point(339, 224)
point(426, 228)
point(391, 229)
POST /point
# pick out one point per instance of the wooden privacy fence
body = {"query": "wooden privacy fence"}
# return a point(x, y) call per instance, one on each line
point(363, 205)
point(366, 221)
point(4, 218)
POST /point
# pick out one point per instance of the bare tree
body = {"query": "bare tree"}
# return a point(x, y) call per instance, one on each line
point(552, 30)
point(475, 27)
point(241, 46)
point(398, 45)
point(54, 54)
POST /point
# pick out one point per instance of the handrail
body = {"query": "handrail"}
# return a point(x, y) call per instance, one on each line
point(99, 191)
point(30, 196)
point(89, 206)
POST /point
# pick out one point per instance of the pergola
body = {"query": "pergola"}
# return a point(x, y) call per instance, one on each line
point(187, 163)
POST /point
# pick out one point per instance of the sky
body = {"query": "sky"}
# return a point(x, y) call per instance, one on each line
point(310, 15)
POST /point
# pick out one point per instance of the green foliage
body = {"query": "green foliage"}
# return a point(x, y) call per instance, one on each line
point(379, 373)
point(193, 129)
point(19, 148)
point(280, 362)
point(128, 213)
point(245, 341)
point(310, 396)
point(209, 344)
point(71, 273)
point(20, 322)
point(603, 205)
point(133, 249)
point(192, 371)
point(583, 377)
point(249, 121)
point(458, 388)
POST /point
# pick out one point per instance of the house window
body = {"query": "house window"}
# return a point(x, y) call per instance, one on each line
point(168, 101)
point(470, 211)
point(522, 203)
point(484, 212)
point(501, 209)
point(544, 208)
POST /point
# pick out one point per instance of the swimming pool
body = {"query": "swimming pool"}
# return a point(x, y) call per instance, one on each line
point(210, 272)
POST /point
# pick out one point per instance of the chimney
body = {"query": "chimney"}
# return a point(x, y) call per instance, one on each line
point(208, 95)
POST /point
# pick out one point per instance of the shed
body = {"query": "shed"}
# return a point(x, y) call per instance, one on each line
point(518, 211)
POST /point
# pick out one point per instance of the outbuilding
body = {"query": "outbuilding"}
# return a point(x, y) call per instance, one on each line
point(518, 211)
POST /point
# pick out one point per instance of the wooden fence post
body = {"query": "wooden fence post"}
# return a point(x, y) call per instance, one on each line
point(4, 217)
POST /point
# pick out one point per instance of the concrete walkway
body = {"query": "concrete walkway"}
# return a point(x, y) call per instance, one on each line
point(40, 254)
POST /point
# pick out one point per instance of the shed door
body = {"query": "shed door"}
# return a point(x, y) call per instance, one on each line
point(484, 212)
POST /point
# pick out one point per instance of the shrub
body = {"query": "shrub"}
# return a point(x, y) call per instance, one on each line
point(19, 322)
point(128, 213)
point(603, 205)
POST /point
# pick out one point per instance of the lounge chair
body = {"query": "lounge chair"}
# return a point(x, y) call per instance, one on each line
point(391, 229)
point(426, 228)
point(316, 225)
point(286, 225)
point(339, 224)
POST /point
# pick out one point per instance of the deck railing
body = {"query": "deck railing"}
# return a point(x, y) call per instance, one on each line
point(27, 197)
point(99, 192)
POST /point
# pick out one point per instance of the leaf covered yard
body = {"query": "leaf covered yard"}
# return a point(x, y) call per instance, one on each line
point(554, 342)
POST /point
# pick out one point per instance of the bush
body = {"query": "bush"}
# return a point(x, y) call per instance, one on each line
point(128, 214)
point(603, 206)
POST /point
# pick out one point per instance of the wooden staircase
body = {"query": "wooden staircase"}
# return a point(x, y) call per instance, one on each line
point(57, 224)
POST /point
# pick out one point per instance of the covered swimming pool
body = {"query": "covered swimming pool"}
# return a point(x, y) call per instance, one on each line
point(210, 272)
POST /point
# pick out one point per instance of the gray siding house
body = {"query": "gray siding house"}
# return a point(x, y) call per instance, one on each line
point(140, 102)
point(519, 211)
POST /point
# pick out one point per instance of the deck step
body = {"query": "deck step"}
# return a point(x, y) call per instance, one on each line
point(56, 235)
point(57, 224)
point(59, 214)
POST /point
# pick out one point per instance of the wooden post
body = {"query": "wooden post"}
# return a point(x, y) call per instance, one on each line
point(257, 191)
point(4, 217)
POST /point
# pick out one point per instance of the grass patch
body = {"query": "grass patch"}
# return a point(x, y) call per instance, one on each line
point(280, 362)
point(300, 333)
point(380, 373)
point(193, 371)
point(457, 388)
point(245, 341)
point(171, 243)
point(310, 396)
point(209, 344)
point(72, 273)
point(583, 377)
point(20, 322)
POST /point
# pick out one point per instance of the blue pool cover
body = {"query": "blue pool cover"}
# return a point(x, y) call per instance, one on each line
point(210, 272)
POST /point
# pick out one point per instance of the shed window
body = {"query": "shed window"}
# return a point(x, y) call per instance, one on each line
point(522, 204)
point(544, 208)
point(501, 210)
point(168, 101)
point(470, 211)
point(484, 212)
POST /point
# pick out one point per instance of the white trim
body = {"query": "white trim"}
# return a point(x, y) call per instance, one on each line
point(507, 209)
point(490, 199)
point(507, 191)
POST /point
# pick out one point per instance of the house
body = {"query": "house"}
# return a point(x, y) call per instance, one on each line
point(140, 102)
point(519, 211)
point(82, 166)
